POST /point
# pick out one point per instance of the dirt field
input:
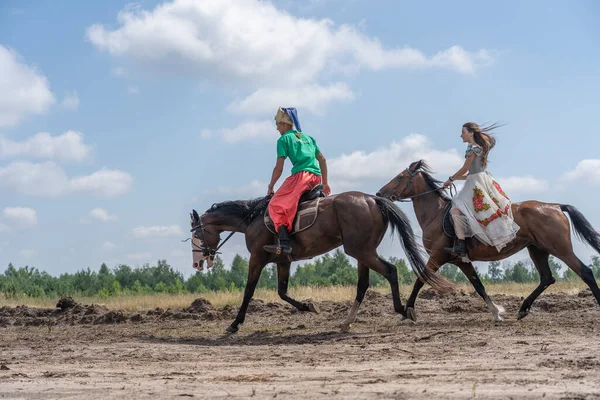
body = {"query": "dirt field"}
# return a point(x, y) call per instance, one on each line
point(454, 351)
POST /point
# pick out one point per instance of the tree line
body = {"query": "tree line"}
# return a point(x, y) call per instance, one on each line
point(328, 270)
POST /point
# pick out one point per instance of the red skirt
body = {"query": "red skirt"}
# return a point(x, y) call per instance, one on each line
point(284, 203)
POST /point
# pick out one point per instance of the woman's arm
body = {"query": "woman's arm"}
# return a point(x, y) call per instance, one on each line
point(461, 173)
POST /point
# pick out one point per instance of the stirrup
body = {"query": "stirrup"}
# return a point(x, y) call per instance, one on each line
point(277, 249)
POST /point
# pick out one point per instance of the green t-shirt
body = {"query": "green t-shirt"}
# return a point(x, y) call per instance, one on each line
point(302, 150)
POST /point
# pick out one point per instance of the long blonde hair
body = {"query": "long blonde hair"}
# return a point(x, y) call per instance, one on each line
point(482, 138)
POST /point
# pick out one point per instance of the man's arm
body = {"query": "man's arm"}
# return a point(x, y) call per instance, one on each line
point(277, 171)
point(323, 165)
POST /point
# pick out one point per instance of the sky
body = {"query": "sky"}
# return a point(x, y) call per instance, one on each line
point(117, 119)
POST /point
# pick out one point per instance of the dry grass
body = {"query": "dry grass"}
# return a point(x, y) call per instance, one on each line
point(220, 299)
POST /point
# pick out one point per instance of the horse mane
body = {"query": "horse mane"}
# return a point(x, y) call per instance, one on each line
point(246, 210)
point(434, 184)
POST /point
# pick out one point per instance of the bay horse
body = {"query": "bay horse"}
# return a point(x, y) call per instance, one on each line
point(358, 221)
point(544, 231)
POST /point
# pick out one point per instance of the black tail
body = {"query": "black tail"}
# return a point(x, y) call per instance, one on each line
point(582, 227)
point(400, 223)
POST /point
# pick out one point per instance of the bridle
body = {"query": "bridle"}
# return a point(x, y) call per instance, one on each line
point(409, 184)
point(209, 252)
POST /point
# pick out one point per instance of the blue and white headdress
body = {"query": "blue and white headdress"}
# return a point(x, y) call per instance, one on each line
point(288, 115)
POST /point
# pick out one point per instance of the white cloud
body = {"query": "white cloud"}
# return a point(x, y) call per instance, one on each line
point(109, 246)
point(22, 89)
point(523, 184)
point(249, 130)
point(133, 90)
point(70, 102)
point(102, 215)
point(311, 97)
point(387, 162)
point(256, 43)
point(144, 232)
point(20, 217)
point(140, 256)
point(254, 188)
point(49, 179)
point(105, 182)
point(586, 169)
point(66, 147)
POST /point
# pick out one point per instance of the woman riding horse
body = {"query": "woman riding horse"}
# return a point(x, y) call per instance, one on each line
point(309, 169)
point(481, 209)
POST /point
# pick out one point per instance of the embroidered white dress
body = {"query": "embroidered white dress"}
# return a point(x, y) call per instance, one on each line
point(485, 208)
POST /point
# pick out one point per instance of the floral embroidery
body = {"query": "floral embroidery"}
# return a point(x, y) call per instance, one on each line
point(486, 221)
point(478, 201)
point(499, 189)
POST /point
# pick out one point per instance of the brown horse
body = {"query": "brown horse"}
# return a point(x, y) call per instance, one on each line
point(544, 230)
point(355, 220)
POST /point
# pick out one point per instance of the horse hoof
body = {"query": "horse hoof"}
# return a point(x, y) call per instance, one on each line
point(232, 329)
point(498, 319)
point(345, 328)
point(411, 314)
point(522, 314)
point(313, 308)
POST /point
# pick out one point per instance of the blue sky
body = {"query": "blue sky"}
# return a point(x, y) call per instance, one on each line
point(116, 119)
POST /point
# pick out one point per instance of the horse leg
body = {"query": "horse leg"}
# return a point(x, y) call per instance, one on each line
point(361, 289)
point(254, 269)
point(584, 272)
point(283, 276)
point(540, 260)
point(471, 273)
point(410, 313)
point(379, 265)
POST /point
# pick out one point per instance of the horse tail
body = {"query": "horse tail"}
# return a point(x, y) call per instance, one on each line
point(582, 227)
point(400, 223)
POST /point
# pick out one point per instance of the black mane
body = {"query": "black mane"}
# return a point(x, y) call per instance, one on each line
point(434, 184)
point(246, 210)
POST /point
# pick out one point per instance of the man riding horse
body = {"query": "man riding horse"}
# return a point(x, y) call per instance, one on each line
point(309, 169)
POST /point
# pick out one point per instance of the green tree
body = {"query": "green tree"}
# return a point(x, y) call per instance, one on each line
point(137, 287)
point(268, 277)
point(453, 273)
point(495, 272)
point(116, 289)
point(239, 271)
point(195, 283)
point(518, 273)
point(569, 275)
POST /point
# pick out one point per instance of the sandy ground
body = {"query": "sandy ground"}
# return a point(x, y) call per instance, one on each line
point(454, 351)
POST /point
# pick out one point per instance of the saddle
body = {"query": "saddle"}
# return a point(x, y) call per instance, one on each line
point(308, 208)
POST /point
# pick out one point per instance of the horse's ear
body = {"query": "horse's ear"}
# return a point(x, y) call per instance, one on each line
point(195, 216)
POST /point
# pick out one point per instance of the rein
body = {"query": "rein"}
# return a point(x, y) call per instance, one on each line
point(409, 185)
